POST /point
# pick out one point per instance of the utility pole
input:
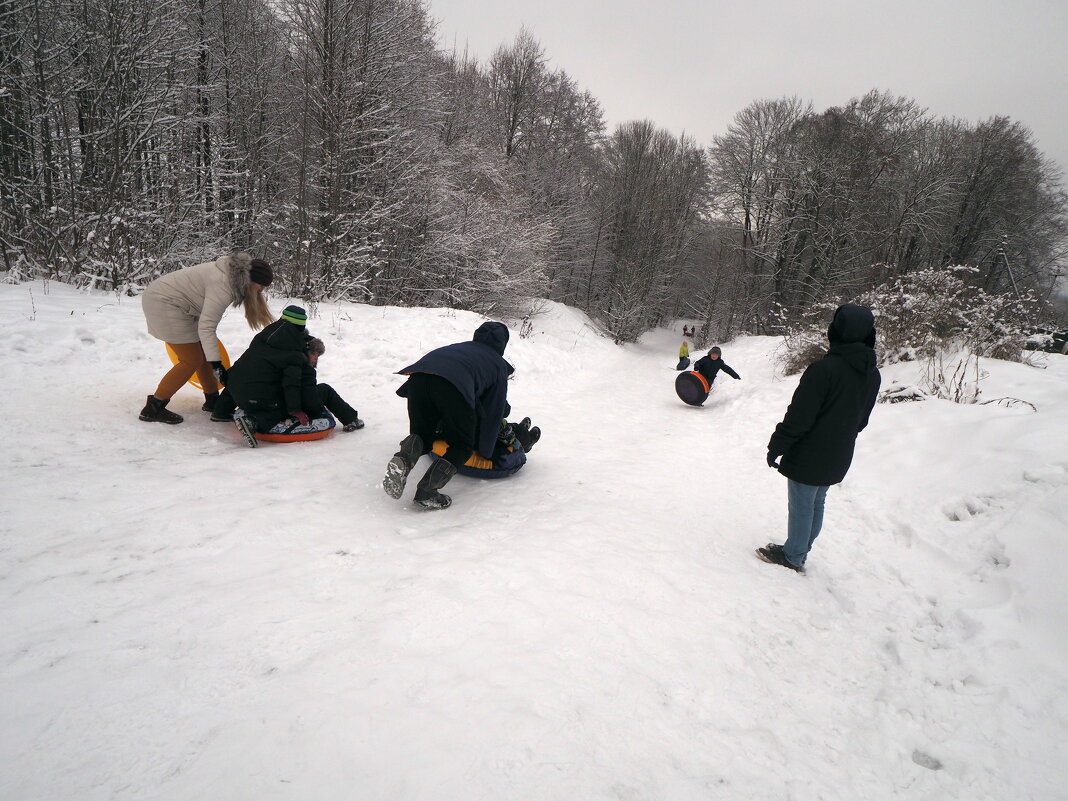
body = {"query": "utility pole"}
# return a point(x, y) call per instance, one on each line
point(1008, 267)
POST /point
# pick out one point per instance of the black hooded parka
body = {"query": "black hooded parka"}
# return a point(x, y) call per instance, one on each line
point(831, 404)
point(273, 377)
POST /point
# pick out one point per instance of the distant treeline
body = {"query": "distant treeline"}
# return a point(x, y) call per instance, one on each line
point(334, 138)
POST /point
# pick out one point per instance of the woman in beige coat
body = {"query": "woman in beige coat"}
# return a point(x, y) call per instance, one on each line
point(184, 309)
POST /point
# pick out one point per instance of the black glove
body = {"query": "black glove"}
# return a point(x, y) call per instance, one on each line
point(220, 372)
point(504, 433)
point(771, 460)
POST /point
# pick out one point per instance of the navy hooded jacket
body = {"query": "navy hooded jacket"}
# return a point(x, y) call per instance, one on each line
point(831, 404)
point(708, 367)
point(479, 372)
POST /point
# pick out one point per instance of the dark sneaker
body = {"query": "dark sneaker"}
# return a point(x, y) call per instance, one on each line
point(355, 425)
point(216, 419)
point(247, 429)
point(398, 468)
point(777, 557)
point(774, 547)
point(156, 411)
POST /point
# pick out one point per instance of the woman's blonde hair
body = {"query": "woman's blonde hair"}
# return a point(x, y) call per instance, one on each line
point(256, 311)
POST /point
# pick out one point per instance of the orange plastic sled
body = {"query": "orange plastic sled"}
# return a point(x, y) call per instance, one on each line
point(307, 437)
point(193, 381)
point(295, 437)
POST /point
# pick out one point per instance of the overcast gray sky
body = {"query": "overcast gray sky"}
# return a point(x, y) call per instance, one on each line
point(692, 64)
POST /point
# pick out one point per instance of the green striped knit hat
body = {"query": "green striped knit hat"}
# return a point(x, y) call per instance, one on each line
point(295, 315)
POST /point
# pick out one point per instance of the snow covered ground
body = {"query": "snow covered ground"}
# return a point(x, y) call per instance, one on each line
point(187, 618)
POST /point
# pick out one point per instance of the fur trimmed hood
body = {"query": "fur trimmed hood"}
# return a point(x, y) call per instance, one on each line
point(235, 267)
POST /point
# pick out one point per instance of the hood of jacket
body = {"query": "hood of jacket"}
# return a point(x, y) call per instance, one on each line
point(235, 267)
point(856, 354)
point(283, 335)
point(852, 323)
point(493, 335)
point(852, 337)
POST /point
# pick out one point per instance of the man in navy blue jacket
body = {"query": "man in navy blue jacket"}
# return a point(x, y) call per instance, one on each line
point(815, 440)
point(458, 393)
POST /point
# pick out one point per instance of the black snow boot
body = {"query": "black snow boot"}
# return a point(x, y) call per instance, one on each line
point(411, 448)
point(156, 411)
point(209, 401)
point(526, 435)
point(247, 426)
point(426, 494)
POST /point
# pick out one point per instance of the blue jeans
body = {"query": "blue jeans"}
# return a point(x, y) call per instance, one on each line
point(806, 520)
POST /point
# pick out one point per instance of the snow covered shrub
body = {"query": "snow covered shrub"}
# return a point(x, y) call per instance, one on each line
point(799, 351)
point(924, 316)
point(902, 393)
point(805, 340)
point(954, 377)
point(929, 312)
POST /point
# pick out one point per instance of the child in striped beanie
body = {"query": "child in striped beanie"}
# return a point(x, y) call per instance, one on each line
point(295, 315)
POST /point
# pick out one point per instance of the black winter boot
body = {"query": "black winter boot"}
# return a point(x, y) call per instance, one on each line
point(155, 411)
point(426, 494)
point(411, 448)
point(526, 435)
point(209, 401)
point(247, 426)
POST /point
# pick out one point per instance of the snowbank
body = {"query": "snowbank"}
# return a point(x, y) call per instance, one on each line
point(189, 618)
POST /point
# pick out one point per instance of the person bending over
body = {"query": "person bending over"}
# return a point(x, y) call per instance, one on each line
point(461, 392)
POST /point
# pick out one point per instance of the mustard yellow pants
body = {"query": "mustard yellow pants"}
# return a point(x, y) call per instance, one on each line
point(191, 360)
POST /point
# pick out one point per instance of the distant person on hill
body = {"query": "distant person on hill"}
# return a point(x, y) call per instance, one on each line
point(275, 383)
point(684, 356)
point(710, 365)
point(815, 440)
point(184, 309)
point(458, 393)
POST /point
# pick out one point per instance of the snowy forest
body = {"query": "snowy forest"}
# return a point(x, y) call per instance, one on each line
point(338, 140)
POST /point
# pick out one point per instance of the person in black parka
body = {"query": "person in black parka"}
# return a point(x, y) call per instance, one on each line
point(458, 393)
point(273, 379)
point(815, 440)
point(710, 365)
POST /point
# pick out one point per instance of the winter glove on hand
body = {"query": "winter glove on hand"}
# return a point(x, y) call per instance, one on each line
point(505, 435)
point(302, 418)
point(771, 460)
point(220, 372)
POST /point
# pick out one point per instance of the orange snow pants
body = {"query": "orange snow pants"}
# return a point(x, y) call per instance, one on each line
point(191, 360)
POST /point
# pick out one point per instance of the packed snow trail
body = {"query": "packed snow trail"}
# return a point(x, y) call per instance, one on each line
point(187, 617)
